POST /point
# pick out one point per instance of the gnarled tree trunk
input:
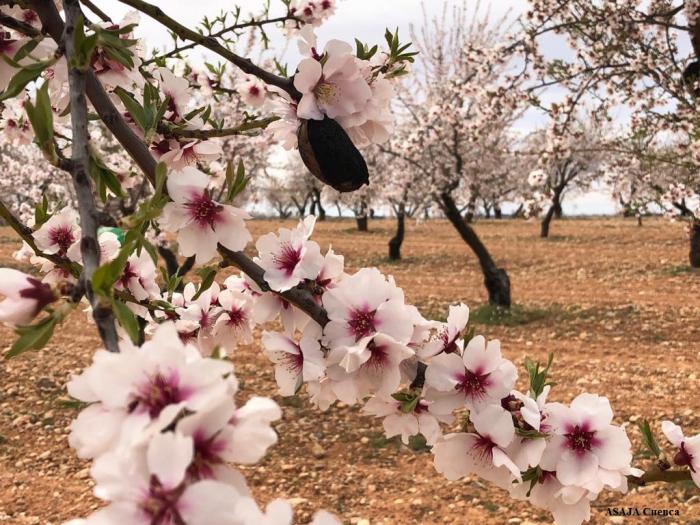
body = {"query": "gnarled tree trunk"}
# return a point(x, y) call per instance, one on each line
point(695, 244)
point(317, 200)
point(553, 211)
point(397, 239)
point(496, 279)
point(361, 217)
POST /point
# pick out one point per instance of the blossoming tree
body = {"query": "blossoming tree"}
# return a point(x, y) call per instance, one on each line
point(161, 425)
point(640, 56)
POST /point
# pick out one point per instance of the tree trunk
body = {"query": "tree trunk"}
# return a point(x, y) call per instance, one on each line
point(397, 240)
point(362, 224)
point(695, 244)
point(487, 211)
point(553, 211)
point(312, 208)
point(495, 279)
point(639, 219)
point(544, 228)
point(497, 212)
point(319, 206)
point(558, 212)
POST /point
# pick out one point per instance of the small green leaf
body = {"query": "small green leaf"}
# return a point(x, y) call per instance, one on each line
point(33, 337)
point(127, 319)
point(648, 438)
point(20, 80)
point(207, 274)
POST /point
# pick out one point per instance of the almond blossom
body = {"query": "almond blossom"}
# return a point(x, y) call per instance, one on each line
point(289, 257)
point(448, 339)
point(252, 91)
point(481, 452)
point(234, 324)
point(363, 305)
point(424, 418)
point(59, 233)
point(140, 387)
point(295, 363)
point(24, 296)
point(199, 221)
point(688, 454)
point(584, 449)
point(335, 88)
point(480, 376)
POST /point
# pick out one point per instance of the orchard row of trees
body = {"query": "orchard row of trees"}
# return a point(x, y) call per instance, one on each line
point(163, 156)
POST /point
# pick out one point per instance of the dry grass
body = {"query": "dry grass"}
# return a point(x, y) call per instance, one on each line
point(614, 302)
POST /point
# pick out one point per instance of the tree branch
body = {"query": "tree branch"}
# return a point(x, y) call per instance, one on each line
point(245, 64)
point(252, 23)
point(89, 245)
point(204, 134)
point(142, 156)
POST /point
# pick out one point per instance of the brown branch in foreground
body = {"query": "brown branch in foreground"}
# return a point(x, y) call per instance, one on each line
point(245, 64)
point(204, 134)
point(302, 299)
point(657, 475)
point(89, 245)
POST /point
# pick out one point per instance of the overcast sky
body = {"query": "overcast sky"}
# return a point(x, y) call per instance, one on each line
point(363, 19)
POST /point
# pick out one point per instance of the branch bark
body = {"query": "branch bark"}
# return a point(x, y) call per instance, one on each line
point(89, 245)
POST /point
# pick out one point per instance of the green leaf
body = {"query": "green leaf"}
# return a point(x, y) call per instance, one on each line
point(161, 176)
point(33, 337)
point(40, 115)
point(23, 77)
point(135, 109)
point(127, 319)
point(648, 438)
point(207, 274)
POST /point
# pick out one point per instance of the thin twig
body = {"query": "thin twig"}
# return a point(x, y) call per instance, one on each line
point(89, 244)
point(204, 134)
point(245, 64)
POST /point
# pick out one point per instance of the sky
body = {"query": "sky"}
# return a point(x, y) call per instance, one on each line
point(362, 19)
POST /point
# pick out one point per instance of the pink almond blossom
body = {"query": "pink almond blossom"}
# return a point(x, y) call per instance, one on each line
point(199, 221)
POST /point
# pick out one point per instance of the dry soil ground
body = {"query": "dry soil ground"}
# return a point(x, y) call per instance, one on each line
point(614, 302)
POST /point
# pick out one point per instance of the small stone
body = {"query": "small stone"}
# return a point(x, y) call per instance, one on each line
point(318, 451)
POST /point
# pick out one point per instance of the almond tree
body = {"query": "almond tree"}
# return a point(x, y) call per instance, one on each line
point(643, 56)
point(456, 118)
point(161, 423)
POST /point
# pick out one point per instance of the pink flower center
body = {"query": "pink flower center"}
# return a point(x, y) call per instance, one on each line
point(39, 292)
point(160, 504)
point(204, 211)
point(288, 258)
point(684, 458)
point(293, 362)
point(482, 448)
point(254, 90)
point(473, 384)
point(128, 274)
point(207, 454)
point(237, 317)
point(580, 440)
point(449, 346)
point(158, 392)
point(361, 323)
point(62, 236)
point(378, 358)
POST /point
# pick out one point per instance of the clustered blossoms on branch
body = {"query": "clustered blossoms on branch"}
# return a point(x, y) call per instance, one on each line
point(161, 425)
